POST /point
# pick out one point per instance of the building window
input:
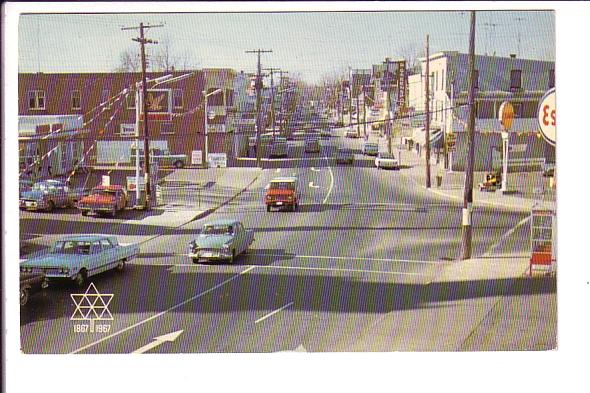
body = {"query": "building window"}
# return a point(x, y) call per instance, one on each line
point(476, 82)
point(215, 99)
point(104, 97)
point(76, 100)
point(166, 128)
point(515, 79)
point(177, 98)
point(130, 101)
point(36, 99)
point(551, 79)
point(229, 98)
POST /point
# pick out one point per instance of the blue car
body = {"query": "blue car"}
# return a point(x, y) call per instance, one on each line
point(49, 194)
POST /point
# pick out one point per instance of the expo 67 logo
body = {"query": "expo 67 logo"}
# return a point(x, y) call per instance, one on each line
point(92, 306)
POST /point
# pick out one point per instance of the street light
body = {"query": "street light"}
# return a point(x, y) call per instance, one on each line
point(207, 125)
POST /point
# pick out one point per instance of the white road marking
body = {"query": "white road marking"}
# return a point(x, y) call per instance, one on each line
point(335, 269)
point(170, 337)
point(315, 170)
point(273, 313)
point(506, 235)
point(331, 181)
point(278, 170)
point(349, 258)
point(312, 185)
point(162, 312)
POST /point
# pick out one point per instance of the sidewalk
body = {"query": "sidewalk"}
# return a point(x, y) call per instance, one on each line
point(527, 189)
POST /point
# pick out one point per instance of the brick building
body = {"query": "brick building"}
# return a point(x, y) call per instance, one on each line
point(68, 117)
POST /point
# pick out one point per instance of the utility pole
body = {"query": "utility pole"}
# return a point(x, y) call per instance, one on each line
point(272, 100)
point(146, 141)
point(350, 98)
point(364, 111)
point(258, 86)
point(281, 125)
point(388, 77)
point(427, 126)
point(466, 232)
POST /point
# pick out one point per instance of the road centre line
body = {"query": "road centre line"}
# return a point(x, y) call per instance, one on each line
point(163, 312)
point(330, 269)
point(506, 235)
point(273, 313)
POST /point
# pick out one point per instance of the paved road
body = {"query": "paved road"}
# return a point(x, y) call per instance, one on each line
point(363, 250)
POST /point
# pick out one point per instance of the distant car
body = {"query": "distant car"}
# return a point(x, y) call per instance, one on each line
point(312, 145)
point(162, 156)
point(104, 200)
point(386, 160)
point(283, 191)
point(278, 147)
point(350, 133)
point(370, 148)
point(221, 240)
point(78, 257)
point(49, 194)
point(344, 156)
point(325, 132)
point(549, 169)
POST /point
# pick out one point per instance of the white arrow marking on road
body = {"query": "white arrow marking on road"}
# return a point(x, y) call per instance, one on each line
point(315, 170)
point(278, 170)
point(170, 337)
point(312, 185)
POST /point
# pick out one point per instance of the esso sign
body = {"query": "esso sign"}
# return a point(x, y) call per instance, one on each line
point(547, 117)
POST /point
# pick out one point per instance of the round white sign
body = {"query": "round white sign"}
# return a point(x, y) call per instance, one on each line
point(547, 117)
point(211, 115)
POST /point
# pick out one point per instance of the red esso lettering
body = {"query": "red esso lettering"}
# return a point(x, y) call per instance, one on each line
point(548, 115)
point(553, 117)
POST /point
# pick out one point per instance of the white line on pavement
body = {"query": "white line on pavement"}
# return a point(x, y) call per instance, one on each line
point(162, 312)
point(312, 185)
point(331, 181)
point(335, 269)
point(273, 313)
point(506, 235)
point(315, 170)
point(278, 170)
point(349, 258)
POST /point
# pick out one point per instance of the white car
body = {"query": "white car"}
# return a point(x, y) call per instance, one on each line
point(386, 160)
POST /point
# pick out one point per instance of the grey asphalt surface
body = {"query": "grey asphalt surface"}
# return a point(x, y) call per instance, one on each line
point(354, 270)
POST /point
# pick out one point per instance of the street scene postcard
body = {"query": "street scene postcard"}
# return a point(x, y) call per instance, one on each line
point(301, 181)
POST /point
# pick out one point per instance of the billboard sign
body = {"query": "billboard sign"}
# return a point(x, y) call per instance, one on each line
point(546, 116)
point(159, 105)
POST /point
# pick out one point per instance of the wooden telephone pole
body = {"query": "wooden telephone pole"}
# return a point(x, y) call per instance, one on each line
point(427, 125)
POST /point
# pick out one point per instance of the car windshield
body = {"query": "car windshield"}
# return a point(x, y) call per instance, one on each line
point(109, 193)
point(282, 185)
point(371, 145)
point(42, 186)
point(218, 230)
point(386, 155)
point(71, 247)
point(344, 151)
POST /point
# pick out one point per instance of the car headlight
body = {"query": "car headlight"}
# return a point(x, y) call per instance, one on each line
point(225, 247)
point(23, 269)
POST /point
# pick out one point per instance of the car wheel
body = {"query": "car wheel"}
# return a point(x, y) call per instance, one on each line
point(80, 278)
point(179, 164)
point(113, 212)
point(296, 207)
point(50, 206)
point(84, 212)
point(195, 260)
point(267, 208)
point(233, 257)
point(24, 296)
point(121, 265)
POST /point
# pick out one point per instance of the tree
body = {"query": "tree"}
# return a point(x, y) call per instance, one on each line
point(166, 58)
point(129, 61)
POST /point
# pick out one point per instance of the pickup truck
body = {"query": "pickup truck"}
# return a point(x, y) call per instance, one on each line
point(104, 199)
point(283, 191)
point(221, 240)
point(49, 194)
point(162, 156)
point(76, 258)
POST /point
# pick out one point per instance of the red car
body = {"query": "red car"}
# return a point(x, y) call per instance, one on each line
point(282, 191)
point(104, 200)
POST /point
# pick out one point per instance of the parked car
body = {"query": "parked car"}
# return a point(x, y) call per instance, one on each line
point(278, 147)
point(49, 194)
point(370, 148)
point(325, 132)
point(283, 191)
point(30, 282)
point(104, 200)
point(548, 169)
point(24, 185)
point(162, 156)
point(311, 144)
point(386, 160)
point(492, 182)
point(78, 257)
point(350, 133)
point(221, 240)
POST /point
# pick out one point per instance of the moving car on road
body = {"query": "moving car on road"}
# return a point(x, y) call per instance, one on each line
point(76, 258)
point(49, 194)
point(325, 132)
point(312, 144)
point(104, 200)
point(371, 148)
point(344, 156)
point(278, 147)
point(386, 160)
point(283, 191)
point(221, 240)
point(162, 156)
point(350, 133)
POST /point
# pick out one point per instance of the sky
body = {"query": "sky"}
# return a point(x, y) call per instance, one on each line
point(310, 45)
